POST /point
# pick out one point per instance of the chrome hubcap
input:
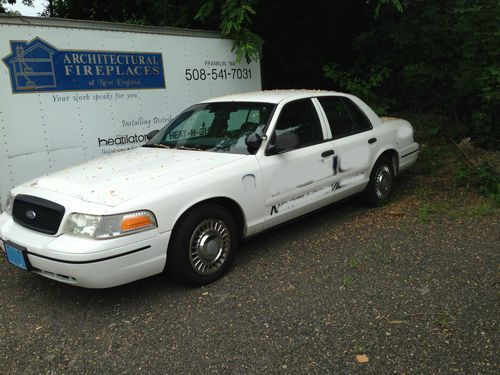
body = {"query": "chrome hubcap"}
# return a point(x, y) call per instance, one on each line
point(383, 182)
point(209, 246)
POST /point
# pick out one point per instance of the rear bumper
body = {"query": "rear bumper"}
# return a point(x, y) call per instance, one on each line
point(408, 156)
point(89, 263)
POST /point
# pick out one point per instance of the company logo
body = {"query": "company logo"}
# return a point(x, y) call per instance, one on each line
point(122, 140)
point(37, 66)
point(30, 214)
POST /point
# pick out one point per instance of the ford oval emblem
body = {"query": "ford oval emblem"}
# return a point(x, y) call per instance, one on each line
point(30, 214)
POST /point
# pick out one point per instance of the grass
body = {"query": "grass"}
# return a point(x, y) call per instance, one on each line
point(353, 263)
point(359, 349)
point(441, 208)
point(387, 259)
point(424, 212)
point(457, 207)
point(484, 209)
point(347, 280)
point(450, 164)
point(443, 322)
point(213, 332)
point(431, 159)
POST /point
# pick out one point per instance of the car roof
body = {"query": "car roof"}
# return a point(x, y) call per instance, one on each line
point(272, 96)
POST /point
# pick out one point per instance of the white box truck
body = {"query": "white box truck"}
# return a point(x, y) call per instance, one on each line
point(74, 90)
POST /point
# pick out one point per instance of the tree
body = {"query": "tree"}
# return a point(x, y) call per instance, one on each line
point(235, 22)
point(234, 18)
point(436, 57)
point(173, 13)
point(12, 2)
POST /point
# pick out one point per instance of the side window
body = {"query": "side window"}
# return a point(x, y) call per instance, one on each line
point(361, 122)
point(299, 119)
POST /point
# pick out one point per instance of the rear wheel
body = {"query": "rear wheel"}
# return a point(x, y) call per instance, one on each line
point(381, 179)
point(202, 245)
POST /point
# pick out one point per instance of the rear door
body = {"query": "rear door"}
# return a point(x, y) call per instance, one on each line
point(353, 142)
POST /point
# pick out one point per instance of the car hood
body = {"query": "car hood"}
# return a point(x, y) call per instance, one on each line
point(114, 179)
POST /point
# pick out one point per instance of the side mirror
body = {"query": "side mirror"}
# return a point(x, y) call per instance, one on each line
point(283, 142)
point(253, 142)
point(152, 133)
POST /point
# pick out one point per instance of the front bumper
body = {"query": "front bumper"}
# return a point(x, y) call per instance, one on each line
point(89, 263)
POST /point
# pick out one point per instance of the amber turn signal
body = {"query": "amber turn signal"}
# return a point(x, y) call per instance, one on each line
point(136, 222)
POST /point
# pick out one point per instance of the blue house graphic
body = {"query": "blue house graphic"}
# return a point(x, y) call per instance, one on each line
point(31, 65)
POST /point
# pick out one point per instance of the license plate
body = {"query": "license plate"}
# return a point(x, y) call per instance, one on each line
point(16, 256)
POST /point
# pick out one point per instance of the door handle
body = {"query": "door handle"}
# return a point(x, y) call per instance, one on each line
point(372, 140)
point(324, 154)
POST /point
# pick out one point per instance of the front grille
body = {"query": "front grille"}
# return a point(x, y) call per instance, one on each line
point(37, 213)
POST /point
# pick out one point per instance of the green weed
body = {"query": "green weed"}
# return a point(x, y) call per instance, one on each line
point(424, 212)
point(443, 322)
point(359, 349)
point(347, 280)
point(353, 263)
point(483, 209)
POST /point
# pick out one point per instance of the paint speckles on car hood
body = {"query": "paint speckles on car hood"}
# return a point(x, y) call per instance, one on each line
point(114, 179)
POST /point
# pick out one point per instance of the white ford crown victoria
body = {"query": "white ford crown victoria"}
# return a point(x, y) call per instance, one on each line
point(223, 170)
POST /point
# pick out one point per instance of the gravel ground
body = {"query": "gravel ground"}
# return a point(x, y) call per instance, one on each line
point(412, 287)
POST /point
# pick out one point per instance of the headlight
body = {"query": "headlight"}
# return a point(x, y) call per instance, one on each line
point(109, 226)
point(9, 204)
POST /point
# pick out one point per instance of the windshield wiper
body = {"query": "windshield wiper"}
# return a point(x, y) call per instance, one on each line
point(189, 148)
point(156, 145)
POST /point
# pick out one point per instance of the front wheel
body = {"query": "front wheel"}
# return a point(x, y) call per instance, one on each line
point(203, 245)
point(381, 179)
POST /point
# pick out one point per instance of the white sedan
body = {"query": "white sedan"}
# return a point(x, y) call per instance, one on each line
point(223, 170)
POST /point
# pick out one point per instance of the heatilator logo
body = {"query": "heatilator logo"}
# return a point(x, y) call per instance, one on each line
point(122, 140)
point(37, 66)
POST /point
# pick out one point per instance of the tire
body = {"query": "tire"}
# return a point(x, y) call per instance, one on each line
point(381, 180)
point(202, 246)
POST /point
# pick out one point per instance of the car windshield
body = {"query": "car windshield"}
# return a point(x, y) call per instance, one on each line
point(218, 127)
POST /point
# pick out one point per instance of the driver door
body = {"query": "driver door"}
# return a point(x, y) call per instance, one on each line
point(297, 175)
